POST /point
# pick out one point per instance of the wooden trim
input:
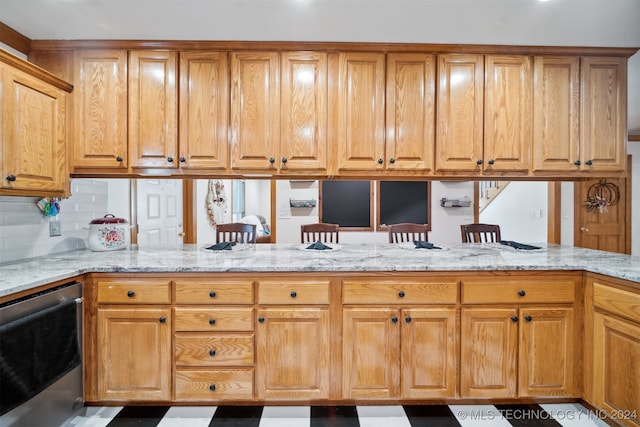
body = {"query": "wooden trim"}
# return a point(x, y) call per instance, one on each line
point(628, 193)
point(476, 202)
point(554, 212)
point(189, 212)
point(635, 138)
point(273, 221)
point(330, 47)
point(14, 39)
point(33, 70)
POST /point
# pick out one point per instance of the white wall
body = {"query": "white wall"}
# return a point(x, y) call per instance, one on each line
point(634, 150)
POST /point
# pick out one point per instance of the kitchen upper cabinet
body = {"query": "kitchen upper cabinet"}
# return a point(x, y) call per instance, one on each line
point(360, 124)
point(153, 109)
point(459, 137)
point(508, 110)
point(33, 135)
point(410, 125)
point(204, 110)
point(100, 110)
point(556, 114)
point(603, 114)
point(304, 114)
point(255, 112)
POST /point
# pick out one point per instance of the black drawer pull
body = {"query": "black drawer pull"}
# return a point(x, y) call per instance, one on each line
point(527, 318)
point(212, 321)
point(212, 353)
point(163, 319)
point(394, 319)
point(293, 294)
point(407, 319)
point(212, 294)
point(514, 319)
point(261, 319)
point(212, 387)
point(521, 293)
point(131, 294)
point(401, 294)
point(119, 159)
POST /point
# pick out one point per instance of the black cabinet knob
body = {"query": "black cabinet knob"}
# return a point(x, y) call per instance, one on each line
point(479, 162)
point(212, 353)
point(11, 177)
point(380, 161)
point(577, 163)
point(401, 294)
point(394, 319)
point(212, 387)
point(131, 294)
point(170, 159)
point(212, 321)
point(521, 293)
point(284, 160)
point(589, 162)
point(119, 159)
point(527, 318)
point(261, 319)
point(272, 160)
point(293, 294)
point(212, 294)
point(163, 319)
point(407, 319)
point(182, 159)
point(514, 319)
point(392, 160)
point(491, 161)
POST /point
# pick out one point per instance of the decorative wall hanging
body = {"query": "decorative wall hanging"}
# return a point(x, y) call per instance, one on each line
point(216, 202)
point(602, 195)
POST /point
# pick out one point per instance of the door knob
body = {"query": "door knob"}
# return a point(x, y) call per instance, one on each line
point(584, 229)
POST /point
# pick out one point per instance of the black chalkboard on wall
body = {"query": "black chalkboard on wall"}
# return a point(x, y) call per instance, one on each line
point(403, 201)
point(347, 203)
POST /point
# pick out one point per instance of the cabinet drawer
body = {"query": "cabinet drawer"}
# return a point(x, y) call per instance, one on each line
point(134, 292)
point(617, 301)
point(214, 384)
point(221, 350)
point(518, 291)
point(293, 292)
point(214, 319)
point(214, 292)
point(399, 291)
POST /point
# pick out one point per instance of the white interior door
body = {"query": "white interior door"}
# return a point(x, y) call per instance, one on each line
point(159, 211)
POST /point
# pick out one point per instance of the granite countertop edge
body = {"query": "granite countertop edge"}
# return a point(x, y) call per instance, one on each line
point(34, 272)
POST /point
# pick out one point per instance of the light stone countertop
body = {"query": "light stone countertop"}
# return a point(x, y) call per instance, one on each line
point(30, 273)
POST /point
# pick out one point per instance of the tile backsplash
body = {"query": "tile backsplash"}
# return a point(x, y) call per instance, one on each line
point(24, 231)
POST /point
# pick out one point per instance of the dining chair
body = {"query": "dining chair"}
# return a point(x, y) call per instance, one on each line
point(407, 232)
point(480, 233)
point(236, 232)
point(323, 232)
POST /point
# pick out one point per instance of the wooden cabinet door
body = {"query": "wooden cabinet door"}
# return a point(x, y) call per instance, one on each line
point(134, 354)
point(556, 114)
point(153, 109)
point(488, 359)
point(459, 129)
point(410, 110)
point(204, 110)
point(292, 353)
point(428, 360)
point(100, 109)
point(255, 110)
point(507, 117)
point(616, 359)
point(603, 120)
point(361, 111)
point(304, 112)
point(547, 353)
point(33, 142)
point(371, 353)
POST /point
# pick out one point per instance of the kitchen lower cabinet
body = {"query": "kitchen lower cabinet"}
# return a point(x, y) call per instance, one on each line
point(519, 350)
point(398, 351)
point(293, 339)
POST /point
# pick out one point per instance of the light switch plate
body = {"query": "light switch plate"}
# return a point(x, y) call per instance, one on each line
point(54, 229)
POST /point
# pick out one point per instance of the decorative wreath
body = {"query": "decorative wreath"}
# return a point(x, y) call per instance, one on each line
point(602, 195)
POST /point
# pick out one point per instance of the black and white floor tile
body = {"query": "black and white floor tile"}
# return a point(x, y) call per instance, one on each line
point(563, 415)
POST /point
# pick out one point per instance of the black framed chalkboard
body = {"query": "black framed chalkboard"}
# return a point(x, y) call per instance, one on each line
point(347, 203)
point(403, 201)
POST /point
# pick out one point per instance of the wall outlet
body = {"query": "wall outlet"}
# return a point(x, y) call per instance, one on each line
point(54, 229)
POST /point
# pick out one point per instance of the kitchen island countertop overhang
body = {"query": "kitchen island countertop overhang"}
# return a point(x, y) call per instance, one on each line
point(190, 258)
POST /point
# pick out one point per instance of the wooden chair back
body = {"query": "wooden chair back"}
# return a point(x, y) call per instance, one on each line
point(323, 232)
point(407, 232)
point(236, 232)
point(480, 233)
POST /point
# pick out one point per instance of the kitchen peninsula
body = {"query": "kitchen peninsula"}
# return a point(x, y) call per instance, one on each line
point(369, 323)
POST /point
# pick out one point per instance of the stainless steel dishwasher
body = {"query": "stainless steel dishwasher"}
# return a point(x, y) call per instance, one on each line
point(61, 398)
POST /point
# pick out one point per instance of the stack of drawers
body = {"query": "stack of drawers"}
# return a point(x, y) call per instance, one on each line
point(214, 340)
